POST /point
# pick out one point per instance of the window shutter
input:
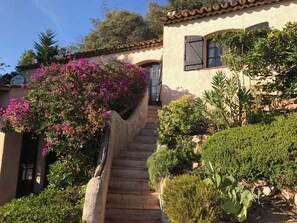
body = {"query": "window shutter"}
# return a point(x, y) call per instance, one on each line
point(193, 58)
point(262, 25)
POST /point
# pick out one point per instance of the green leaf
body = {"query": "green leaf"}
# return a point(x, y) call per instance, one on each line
point(218, 179)
point(228, 181)
point(246, 198)
point(242, 215)
point(231, 207)
point(208, 182)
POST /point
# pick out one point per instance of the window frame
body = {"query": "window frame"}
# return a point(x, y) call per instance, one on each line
point(207, 57)
point(205, 40)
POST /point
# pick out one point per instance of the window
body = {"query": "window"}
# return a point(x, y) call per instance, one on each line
point(214, 54)
point(197, 49)
point(27, 171)
point(200, 52)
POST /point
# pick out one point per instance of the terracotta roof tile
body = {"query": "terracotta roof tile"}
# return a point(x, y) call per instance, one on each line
point(105, 51)
point(187, 15)
point(120, 48)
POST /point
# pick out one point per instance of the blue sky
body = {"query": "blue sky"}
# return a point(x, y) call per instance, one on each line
point(22, 20)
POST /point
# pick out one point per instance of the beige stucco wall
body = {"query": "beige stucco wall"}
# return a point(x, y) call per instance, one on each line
point(14, 92)
point(176, 81)
point(10, 149)
point(137, 57)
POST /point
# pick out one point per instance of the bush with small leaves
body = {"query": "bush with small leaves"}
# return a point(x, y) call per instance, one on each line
point(70, 171)
point(179, 118)
point(256, 151)
point(50, 206)
point(165, 163)
point(187, 199)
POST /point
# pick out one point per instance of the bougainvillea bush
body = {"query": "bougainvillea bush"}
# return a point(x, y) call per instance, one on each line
point(69, 103)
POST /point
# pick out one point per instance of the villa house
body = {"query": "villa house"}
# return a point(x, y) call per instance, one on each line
point(183, 62)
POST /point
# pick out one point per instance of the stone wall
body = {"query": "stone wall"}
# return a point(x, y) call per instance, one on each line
point(121, 133)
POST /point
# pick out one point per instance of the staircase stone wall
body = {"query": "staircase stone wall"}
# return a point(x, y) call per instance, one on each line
point(122, 132)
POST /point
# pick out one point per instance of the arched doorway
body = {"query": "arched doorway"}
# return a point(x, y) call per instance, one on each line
point(153, 74)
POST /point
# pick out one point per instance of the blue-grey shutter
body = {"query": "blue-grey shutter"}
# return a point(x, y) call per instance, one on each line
point(262, 25)
point(193, 58)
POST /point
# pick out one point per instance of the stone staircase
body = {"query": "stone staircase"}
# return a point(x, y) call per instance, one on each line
point(152, 115)
point(130, 199)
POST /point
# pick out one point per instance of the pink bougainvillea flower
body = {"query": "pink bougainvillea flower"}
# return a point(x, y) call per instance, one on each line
point(57, 128)
point(44, 151)
point(69, 103)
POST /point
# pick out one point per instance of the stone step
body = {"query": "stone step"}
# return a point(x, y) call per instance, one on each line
point(129, 162)
point(152, 119)
point(152, 114)
point(153, 107)
point(133, 201)
point(142, 146)
point(135, 192)
point(132, 214)
point(131, 221)
point(145, 139)
point(152, 111)
point(118, 183)
point(148, 132)
point(151, 125)
point(134, 173)
point(142, 154)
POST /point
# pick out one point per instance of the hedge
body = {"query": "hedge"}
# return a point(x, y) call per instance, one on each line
point(256, 151)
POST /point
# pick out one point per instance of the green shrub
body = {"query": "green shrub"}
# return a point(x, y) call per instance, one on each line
point(179, 118)
point(166, 163)
point(256, 151)
point(70, 171)
point(50, 206)
point(261, 117)
point(187, 199)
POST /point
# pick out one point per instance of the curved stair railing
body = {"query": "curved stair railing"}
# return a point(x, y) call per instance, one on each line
point(117, 134)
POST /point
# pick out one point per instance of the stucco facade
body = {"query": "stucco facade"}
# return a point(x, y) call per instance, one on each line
point(10, 153)
point(138, 57)
point(176, 81)
point(169, 52)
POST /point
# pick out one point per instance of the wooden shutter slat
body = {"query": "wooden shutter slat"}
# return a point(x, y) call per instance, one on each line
point(193, 53)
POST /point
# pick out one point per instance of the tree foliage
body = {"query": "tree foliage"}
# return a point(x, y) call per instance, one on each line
point(153, 19)
point(46, 49)
point(28, 57)
point(179, 5)
point(268, 55)
point(118, 27)
point(2, 66)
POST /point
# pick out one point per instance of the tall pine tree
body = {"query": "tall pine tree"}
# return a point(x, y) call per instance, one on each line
point(47, 49)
